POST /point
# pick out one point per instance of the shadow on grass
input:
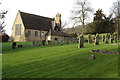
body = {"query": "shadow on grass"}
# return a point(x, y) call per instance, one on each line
point(7, 47)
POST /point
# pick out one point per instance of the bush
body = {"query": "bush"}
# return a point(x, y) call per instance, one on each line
point(4, 37)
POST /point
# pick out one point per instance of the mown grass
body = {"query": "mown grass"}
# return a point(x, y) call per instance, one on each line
point(59, 61)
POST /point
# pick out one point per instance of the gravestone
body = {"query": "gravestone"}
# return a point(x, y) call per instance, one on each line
point(81, 42)
point(97, 39)
point(111, 38)
point(33, 43)
point(67, 42)
point(37, 43)
point(106, 38)
point(89, 38)
point(20, 46)
point(56, 42)
point(47, 42)
point(92, 57)
point(14, 45)
point(43, 42)
point(61, 42)
point(115, 38)
point(94, 37)
point(103, 38)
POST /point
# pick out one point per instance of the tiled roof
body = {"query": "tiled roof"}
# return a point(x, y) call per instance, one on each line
point(60, 33)
point(36, 22)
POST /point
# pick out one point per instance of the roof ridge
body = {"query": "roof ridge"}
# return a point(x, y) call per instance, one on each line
point(35, 15)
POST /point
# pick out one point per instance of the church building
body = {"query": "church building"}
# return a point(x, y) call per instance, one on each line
point(30, 27)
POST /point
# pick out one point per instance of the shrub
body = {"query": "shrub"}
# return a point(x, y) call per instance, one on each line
point(4, 37)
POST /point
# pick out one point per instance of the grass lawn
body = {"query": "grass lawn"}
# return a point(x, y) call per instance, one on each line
point(59, 61)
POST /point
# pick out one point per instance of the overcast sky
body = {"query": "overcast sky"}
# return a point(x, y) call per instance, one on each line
point(47, 8)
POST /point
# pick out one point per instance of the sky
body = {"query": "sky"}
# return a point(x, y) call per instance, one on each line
point(47, 8)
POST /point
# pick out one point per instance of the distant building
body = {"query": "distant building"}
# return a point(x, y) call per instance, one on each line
point(30, 27)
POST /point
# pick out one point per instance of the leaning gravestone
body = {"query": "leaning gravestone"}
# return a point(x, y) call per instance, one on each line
point(81, 42)
point(97, 39)
point(106, 38)
point(111, 38)
point(103, 38)
point(89, 38)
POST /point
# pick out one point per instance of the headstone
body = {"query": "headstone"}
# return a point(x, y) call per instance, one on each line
point(14, 45)
point(89, 38)
point(81, 42)
point(97, 39)
point(61, 42)
point(111, 38)
point(106, 38)
point(94, 37)
point(43, 42)
point(56, 42)
point(115, 38)
point(103, 38)
point(33, 43)
point(92, 57)
point(37, 43)
point(67, 42)
point(47, 42)
point(20, 46)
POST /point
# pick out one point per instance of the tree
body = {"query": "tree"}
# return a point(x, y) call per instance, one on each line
point(80, 13)
point(90, 29)
point(4, 37)
point(98, 21)
point(2, 20)
point(116, 11)
point(101, 23)
point(98, 15)
point(109, 24)
point(64, 24)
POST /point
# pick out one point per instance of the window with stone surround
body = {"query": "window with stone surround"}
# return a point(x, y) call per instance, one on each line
point(18, 29)
point(36, 33)
point(42, 33)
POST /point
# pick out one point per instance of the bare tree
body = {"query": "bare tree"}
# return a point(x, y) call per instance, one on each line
point(64, 24)
point(2, 20)
point(80, 13)
point(116, 11)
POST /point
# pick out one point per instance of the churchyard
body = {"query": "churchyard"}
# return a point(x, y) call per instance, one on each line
point(71, 60)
